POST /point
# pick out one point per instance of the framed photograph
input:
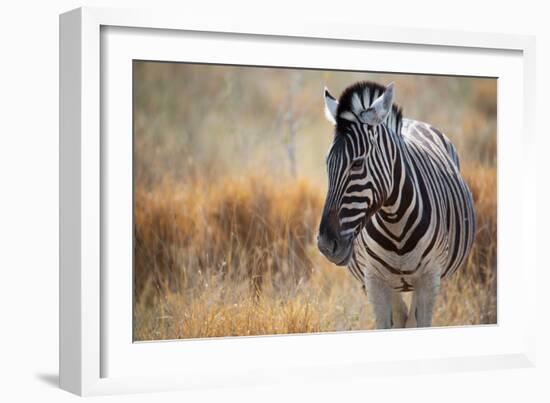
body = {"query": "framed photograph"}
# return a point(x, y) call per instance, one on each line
point(236, 198)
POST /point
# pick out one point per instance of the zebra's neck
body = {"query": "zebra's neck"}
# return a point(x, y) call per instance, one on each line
point(394, 121)
point(402, 192)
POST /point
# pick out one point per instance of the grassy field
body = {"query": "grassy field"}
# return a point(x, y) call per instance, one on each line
point(229, 190)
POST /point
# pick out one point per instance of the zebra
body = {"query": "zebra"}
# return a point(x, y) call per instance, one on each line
point(397, 213)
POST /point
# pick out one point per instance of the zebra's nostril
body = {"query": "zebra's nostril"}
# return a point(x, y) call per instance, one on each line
point(327, 245)
point(334, 247)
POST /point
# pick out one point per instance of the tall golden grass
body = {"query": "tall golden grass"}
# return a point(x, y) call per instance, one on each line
point(238, 257)
point(229, 185)
point(244, 228)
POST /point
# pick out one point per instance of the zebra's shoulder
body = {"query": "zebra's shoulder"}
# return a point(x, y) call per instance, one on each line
point(424, 132)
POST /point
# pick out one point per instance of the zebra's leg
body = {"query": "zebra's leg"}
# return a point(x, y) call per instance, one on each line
point(411, 318)
point(380, 299)
point(426, 290)
point(399, 310)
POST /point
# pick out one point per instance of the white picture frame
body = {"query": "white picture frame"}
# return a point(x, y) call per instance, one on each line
point(96, 354)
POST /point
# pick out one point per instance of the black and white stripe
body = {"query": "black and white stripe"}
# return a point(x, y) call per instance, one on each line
point(395, 193)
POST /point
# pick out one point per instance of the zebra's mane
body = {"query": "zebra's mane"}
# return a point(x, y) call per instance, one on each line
point(366, 92)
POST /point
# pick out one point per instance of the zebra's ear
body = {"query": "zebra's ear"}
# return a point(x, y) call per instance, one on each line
point(380, 108)
point(331, 106)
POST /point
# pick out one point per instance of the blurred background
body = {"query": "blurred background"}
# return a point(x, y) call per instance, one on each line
point(229, 179)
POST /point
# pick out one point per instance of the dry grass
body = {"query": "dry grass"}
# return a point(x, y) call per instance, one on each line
point(237, 257)
point(224, 230)
point(243, 229)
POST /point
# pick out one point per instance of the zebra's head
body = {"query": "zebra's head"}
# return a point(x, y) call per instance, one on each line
point(359, 165)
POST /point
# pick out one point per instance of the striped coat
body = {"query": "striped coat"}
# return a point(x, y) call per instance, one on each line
point(398, 213)
point(428, 222)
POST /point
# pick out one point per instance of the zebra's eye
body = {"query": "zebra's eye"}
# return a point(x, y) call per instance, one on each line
point(357, 164)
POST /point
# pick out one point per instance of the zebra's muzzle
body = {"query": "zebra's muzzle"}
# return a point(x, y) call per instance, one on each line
point(338, 250)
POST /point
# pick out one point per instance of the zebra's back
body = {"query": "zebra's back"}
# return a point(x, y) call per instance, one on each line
point(423, 132)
